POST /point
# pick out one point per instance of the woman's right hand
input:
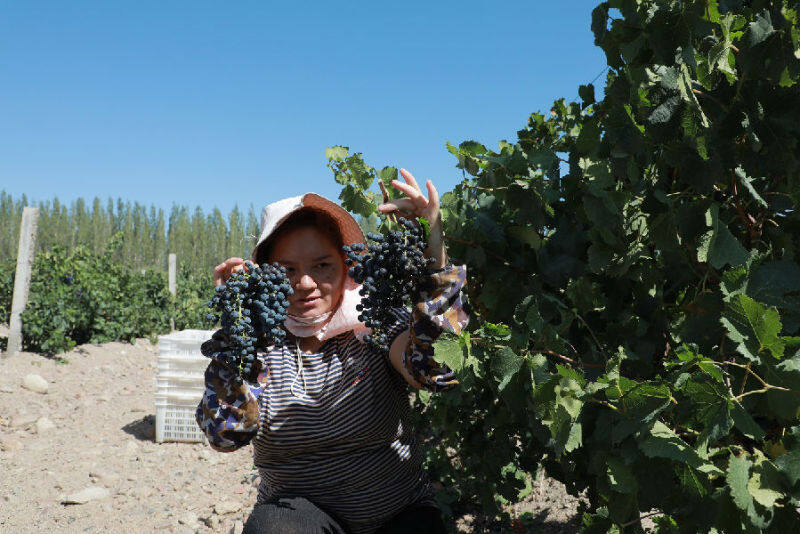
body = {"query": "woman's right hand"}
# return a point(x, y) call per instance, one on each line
point(218, 349)
point(224, 270)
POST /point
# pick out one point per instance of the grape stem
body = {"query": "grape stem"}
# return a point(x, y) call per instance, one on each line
point(570, 360)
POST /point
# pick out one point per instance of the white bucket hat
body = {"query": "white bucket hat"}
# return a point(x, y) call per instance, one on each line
point(274, 214)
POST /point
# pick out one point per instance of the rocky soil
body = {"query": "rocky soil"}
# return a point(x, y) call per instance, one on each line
point(77, 454)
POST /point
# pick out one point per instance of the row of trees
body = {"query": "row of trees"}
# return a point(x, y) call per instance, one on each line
point(149, 234)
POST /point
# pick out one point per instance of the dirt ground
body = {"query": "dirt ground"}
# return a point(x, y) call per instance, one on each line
point(93, 432)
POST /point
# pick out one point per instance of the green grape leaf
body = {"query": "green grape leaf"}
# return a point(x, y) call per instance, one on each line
point(664, 112)
point(505, 364)
point(745, 423)
point(448, 350)
point(759, 30)
point(789, 465)
point(691, 482)
point(386, 175)
point(337, 153)
point(711, 408)
point(764, 484)
point(719, 56)
point(620, 477)
point(718, 246)
point(526, 235)
point(747, 182)
point(772, 281)
point(738, 476)
point(753, 327)
point(662, 442)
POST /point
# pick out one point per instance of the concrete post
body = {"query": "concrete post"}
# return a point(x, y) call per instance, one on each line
point(173, 275)
point(22, 278)
point(173, 283)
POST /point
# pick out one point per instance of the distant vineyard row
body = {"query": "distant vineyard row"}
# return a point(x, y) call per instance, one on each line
point(78, 296)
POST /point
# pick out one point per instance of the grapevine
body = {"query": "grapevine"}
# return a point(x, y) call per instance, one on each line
point(390, 269)
point(251, 307)
point(634, 273)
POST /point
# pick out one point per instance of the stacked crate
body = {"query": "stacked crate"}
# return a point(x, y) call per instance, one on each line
point(179, 385)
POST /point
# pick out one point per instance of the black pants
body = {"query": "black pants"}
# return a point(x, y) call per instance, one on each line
point(296, 515)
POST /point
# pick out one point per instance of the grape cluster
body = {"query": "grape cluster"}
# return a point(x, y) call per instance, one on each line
point(389, 269)
point(251, 307)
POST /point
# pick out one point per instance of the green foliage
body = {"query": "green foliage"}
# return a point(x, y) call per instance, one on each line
point(80, 297)
point(635, 281)
point(7, 270)
point(189, 308)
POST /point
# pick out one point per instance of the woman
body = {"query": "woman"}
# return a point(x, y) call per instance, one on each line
point(328, 417)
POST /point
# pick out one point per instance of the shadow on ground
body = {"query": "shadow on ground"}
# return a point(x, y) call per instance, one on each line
point(528, 524)
point(540, 524)
point(143, 429)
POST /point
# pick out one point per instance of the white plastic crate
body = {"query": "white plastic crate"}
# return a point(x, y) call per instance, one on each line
point(179, 385)
point(171, 382)
point(175, 419)
point(182, 349)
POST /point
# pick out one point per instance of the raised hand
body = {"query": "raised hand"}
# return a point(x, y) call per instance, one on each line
point(223, 271)
point(414, 204)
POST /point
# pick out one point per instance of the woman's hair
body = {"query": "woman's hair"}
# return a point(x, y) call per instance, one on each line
point(302, 218)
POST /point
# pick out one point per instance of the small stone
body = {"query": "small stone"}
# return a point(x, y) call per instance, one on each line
point(9, 444)
point(237, 527)
point(188, 518)
point(227, 507)
point(106, 477)
point(6, 389)
point(92, 493)
point(44, 425)
point(35, 383)
point(212, 522)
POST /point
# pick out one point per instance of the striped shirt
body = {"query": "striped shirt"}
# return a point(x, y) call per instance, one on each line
point(337, 433)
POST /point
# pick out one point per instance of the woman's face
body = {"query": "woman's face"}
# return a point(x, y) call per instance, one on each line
point(315, 269)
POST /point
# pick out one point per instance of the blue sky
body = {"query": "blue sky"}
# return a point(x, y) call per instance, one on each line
point(217, 104)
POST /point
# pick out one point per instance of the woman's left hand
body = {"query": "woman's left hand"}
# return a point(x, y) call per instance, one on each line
point(416, 205)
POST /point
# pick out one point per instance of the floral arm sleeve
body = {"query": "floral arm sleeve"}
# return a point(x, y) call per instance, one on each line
point(442, 307)
point(227, 413)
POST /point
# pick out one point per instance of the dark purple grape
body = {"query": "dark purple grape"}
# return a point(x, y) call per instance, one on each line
point(388, 269)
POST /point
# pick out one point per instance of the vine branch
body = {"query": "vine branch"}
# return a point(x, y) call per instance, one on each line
point(629, 523)
point(765, 386)
point(712, 98)
point(570, 360)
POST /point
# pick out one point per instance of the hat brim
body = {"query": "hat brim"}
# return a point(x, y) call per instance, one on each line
point(347, 225)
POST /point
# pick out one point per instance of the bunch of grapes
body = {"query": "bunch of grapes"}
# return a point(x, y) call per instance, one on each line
point(251, 307)
point(390, 269)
